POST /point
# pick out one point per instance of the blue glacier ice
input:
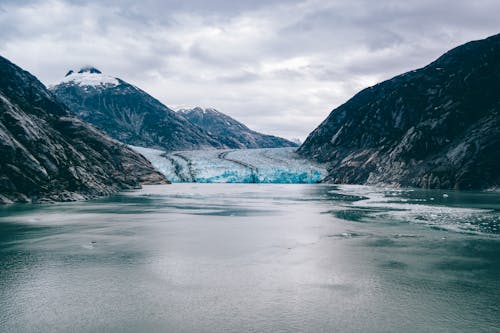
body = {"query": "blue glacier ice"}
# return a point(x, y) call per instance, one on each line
point(266, 165)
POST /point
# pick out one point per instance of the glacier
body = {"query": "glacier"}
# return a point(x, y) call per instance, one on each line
point(264, 165)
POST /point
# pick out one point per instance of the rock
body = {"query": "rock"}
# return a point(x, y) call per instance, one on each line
point(435, 127)
point(230, 132)
point(129, 114)
point(50, 155)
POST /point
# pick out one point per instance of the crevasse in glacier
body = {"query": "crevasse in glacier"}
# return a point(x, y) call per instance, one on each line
point(266, 165)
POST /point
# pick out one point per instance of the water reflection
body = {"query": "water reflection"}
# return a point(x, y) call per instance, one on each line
point(253, 258)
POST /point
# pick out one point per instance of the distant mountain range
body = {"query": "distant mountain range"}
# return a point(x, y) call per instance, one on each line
point(435, 127)
point(230, 132)
point(49, 154)
point(132, 116)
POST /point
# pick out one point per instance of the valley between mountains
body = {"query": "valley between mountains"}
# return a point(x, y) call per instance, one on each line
point(434, 127)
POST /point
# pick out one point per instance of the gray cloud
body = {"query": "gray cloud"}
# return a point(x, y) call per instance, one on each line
point(279, 66)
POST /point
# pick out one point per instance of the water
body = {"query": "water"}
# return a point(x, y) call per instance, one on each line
point(254, 258)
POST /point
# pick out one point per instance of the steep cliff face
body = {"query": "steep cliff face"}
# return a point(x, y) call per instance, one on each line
point(435, 127)
point(127, 113)
point(48, 154)
point(230, 132)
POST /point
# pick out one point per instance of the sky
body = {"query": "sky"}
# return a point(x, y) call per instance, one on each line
point(279, 66)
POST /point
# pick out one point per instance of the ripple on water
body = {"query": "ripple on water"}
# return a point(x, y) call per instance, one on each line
point(389, 206)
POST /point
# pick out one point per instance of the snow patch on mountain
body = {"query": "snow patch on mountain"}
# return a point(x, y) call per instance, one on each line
point(199, 109)
point(90, 76)
point(185, 108)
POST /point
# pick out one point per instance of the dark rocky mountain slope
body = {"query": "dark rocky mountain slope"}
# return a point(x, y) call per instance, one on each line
point(48, 154)
point(127, 113)
point(435, 127)
point(231, 132)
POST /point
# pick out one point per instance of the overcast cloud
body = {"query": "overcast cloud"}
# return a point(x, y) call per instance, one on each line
point(278, 66)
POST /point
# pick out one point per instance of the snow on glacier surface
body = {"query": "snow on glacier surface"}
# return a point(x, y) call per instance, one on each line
point(162, 164)
point(266, 165)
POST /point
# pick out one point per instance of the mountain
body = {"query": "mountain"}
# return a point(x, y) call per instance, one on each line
point(231, 132)
point(127, 113)
point(435, 127)
point(48, 154)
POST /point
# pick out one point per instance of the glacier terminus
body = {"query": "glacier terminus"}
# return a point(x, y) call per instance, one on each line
point(264, 165)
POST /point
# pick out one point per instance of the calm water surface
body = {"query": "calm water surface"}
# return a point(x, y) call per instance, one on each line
point(254, 258)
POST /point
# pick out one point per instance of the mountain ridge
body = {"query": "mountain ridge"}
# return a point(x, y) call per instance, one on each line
point(129, 114)
point(50, 155)
point(434, 127)
point(231, 132)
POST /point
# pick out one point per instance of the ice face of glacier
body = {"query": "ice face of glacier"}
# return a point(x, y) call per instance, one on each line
point(267, 165)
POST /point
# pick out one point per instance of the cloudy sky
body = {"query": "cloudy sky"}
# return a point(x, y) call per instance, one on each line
point(279, 66)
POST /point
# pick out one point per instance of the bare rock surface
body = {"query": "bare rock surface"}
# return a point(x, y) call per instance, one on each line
point(435, 127)
point(47, 154)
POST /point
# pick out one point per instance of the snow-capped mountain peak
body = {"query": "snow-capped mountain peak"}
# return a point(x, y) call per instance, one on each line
point(89, 76)
point(186, 110)
point(89, 69)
